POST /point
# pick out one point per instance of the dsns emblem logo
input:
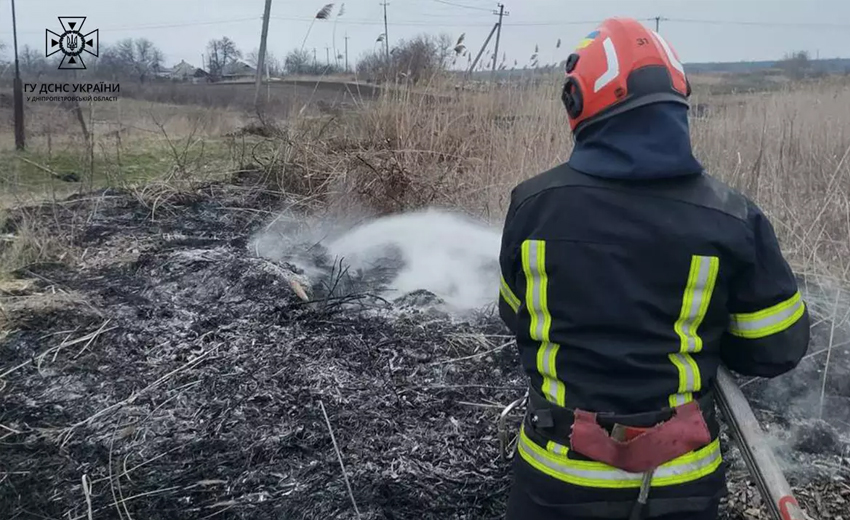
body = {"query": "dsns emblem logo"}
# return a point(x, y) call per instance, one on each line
point(72, 42)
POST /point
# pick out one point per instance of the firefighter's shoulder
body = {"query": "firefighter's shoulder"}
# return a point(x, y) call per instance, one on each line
point(561, 176)
point(703, 190)
point(715, 194)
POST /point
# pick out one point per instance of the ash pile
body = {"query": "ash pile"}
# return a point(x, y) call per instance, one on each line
point(173, 369)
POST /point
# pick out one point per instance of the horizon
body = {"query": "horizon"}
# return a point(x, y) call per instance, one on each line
point(701, 31)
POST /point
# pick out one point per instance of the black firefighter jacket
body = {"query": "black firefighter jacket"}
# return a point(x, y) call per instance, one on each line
point(626, 296)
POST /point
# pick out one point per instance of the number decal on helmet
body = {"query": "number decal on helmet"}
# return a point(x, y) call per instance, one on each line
point(613, 66)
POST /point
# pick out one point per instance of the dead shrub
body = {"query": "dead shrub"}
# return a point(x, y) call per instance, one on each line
point(24, 242)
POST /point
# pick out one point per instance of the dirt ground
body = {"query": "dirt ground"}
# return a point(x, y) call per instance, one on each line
point(170, 373)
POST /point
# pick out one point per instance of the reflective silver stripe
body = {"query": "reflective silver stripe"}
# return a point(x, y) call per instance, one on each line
point(531, 261)
point(686, 468)
point(768, 321)
point(695, 301)
point(508, 295)
point(552, 387)
point(534, 266)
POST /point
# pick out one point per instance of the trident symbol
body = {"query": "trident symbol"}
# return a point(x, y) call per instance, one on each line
point(71, 42)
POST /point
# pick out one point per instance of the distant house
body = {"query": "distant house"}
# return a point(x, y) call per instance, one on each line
point(163, 72)
point(238, 70)
point(200, 76)
point(182, 72)
point(187, 72)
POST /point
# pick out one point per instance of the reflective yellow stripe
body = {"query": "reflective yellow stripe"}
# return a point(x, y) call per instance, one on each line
point(536, 299)
point(768, 321)
point(555, 463)
point(695, 301)
point(557, 449)
point(508, 295)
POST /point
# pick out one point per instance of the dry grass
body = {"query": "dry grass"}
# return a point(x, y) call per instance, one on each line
point(26, 245)
point(787, 150)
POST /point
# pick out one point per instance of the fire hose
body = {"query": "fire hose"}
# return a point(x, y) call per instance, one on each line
point(759, 458)
point(760, 461)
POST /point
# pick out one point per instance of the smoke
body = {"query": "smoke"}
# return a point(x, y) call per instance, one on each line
point(443, 253)
point(456, 259)
point(433, 250)
point(811, 403)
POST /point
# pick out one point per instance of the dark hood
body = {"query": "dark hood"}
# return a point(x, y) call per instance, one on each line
point(648, 142)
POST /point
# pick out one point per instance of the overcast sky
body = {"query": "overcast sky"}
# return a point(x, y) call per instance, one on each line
point(700, 30)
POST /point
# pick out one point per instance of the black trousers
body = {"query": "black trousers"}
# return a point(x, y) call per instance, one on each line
point(537, 496)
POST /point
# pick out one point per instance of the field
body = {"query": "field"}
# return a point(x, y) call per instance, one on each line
point(179, 338)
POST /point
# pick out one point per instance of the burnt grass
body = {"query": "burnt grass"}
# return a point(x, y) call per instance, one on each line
point(167, 373)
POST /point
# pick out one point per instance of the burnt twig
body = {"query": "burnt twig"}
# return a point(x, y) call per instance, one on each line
point(339, 456)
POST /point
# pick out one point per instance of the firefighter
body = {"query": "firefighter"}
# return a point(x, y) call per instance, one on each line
point(628, 275)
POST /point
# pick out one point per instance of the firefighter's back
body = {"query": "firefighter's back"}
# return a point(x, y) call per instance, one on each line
point(628, 276)
point(636, 282)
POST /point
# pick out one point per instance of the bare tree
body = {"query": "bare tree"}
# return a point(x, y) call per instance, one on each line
point(32, 60)
point(300, 61)
point(796, 65)
point(272, 63)
point(137, 58)
point(222, 53)
point(412, 60)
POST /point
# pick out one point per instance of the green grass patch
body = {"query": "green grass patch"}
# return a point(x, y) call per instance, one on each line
point(68, 170)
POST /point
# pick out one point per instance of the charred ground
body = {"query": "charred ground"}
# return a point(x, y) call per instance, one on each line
point(181, 375)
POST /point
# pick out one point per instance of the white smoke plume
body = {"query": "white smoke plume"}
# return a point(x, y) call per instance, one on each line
point(445, 253)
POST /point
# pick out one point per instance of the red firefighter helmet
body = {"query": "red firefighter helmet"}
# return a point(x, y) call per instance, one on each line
point(620, 66)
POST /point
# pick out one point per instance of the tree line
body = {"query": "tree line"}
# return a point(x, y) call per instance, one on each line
point(140, 60)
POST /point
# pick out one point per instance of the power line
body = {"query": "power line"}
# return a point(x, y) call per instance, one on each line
point(528, 23)
point(168, 26)
point(416, 23)
point(442, 15)
point(400, 23)
point(761, 24)
point(419, 23)
point(444, 2)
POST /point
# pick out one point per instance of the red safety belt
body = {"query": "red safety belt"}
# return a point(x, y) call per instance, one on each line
point(642, 449)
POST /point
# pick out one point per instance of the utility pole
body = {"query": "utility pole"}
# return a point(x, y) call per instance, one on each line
point(315, 62)
point(658, 20)
point(261, 60)
point(20, 138)
point(502, 13)
point(483, 47)
point(346, 52)
point(386, 33)
point(328, 55)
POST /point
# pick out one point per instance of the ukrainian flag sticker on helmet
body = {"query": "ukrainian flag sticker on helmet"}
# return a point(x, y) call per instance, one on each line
point(587, 40)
